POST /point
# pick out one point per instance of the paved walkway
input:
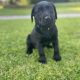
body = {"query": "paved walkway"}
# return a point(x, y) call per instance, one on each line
point(62, 15)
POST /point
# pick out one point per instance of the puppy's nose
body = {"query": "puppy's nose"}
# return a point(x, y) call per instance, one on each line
point(47, 17)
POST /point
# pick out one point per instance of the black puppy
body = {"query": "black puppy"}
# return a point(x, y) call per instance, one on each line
point(45, 32)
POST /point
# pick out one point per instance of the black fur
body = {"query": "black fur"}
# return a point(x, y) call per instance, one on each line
point(45, 31)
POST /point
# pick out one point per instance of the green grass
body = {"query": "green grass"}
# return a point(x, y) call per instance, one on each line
point(61, 8)
point(14, 11)
point(16, 65)
point(68, 7)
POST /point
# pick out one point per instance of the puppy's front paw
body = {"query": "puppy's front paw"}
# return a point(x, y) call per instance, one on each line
point(42, 60)
point(57, 57)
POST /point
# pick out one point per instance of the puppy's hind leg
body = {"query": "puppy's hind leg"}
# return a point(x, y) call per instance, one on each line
point(29, 45)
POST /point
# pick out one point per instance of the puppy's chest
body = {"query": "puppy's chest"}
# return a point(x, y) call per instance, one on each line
point(46, 37)
point(46, 41)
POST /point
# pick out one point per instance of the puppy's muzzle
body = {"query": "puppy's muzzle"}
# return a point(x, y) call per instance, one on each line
point(47, 19)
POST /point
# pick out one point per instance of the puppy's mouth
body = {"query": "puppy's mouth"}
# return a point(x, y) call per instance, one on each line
point(48, 22)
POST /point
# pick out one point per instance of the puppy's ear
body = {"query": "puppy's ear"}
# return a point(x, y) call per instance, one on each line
point(54, 10)
point(32, 13)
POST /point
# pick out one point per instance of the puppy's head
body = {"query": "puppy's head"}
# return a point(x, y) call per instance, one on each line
point(44, 13)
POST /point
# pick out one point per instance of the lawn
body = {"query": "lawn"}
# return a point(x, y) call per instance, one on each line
point(68, 7)
point(61, 8)
point(13, 11)
point(15, 64)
